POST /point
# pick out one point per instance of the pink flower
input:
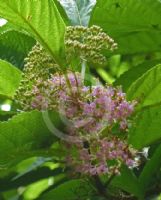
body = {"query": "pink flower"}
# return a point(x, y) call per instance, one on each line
point(89, 111)
point(93, 171)
point(102, 169)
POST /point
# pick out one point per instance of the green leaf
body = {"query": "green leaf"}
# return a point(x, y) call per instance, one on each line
point(25, 135)
point(15, 47)
point(126, 79)
point(128, 182)
point(78, 11)
point(41, 19)
point(151, 168)
point(146, 127)
point(10, 78)
point(135, 25)
point(62, 11)
point(5, 115)
point(71, 190)
point(42, 172)
point(147, 88)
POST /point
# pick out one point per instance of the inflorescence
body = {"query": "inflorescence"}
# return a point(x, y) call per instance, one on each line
point(102, 156)
point(89, 110)
point(88, 43)
point(38, 67)
point(93, 112)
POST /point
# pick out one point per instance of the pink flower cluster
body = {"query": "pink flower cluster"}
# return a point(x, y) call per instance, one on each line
point(90, 110)
point(103, 156)
point(46, 95)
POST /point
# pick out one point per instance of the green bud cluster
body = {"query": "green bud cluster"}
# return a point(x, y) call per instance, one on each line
point(88, 43)
point(38, 63)
point(38, 66)
point(83, 42)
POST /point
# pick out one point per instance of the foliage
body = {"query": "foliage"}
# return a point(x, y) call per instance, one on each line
point(10, 76)
point(71, 37)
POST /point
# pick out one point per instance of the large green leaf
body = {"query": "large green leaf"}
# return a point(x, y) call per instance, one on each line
point(78, 11)
point(151, 168)
point(146, 127)
point(134, 24)
point(41, 19)
point(126, 79)
point(23, 136)
point(15, 47)
point(10, 78)
point(147, 88)
point(70, 190)
point(128, 182)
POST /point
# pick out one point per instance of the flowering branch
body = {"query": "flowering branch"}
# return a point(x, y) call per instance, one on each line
point(89, 110)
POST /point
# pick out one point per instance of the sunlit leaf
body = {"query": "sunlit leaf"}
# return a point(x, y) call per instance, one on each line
point(10, 78)
point(41, 19)
point(135, 25)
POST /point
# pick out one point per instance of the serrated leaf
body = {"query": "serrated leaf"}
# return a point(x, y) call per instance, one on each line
point(135, 25)
point(126, 79)
point(25, 135)
point(78, 11)
point(147, 88)
point(41, 19)
point(15, 47)
point(70, 190)
point(146, 127)
point(10, 78)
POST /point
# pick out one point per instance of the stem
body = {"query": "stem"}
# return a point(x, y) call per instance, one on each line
point(68, 82)
point(109, 180)
point(83, 71)
point(101, 188)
